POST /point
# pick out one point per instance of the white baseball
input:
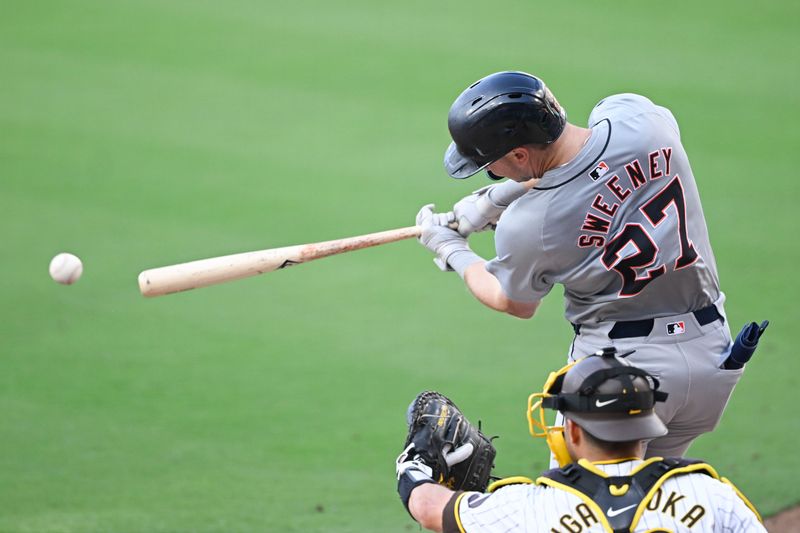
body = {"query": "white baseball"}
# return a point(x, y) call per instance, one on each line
point(66, 268)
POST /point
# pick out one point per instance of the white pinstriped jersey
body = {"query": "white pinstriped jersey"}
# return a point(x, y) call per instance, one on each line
point(686, 503)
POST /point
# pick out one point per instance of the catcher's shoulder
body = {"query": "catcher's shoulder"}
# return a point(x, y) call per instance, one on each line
point(508, 481)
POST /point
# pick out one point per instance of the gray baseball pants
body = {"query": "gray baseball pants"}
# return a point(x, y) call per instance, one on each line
point(687, 364)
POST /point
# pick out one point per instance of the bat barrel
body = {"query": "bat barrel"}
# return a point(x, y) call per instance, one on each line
point(205, 272)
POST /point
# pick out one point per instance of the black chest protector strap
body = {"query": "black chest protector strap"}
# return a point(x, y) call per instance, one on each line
point(620, 501)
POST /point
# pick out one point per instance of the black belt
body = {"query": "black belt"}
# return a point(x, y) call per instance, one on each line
point(642, 328)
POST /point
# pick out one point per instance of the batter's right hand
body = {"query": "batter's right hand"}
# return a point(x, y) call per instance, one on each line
point(481, 210)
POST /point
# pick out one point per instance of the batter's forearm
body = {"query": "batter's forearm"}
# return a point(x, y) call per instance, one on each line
point(486, 288)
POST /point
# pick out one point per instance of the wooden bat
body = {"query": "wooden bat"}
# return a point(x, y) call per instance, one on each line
point(205, 272)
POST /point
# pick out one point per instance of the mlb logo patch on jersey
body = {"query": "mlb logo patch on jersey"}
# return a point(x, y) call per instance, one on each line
point(676, 328)
point(599, 171)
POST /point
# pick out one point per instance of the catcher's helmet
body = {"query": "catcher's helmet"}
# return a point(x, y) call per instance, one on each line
point(603, 394)
point(496, 114)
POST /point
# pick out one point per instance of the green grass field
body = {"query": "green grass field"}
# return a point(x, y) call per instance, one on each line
point(143, 133)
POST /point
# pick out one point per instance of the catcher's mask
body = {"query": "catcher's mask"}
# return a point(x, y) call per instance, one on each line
point(604, 395)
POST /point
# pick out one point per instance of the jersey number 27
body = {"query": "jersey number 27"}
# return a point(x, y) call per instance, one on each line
point(636, 235)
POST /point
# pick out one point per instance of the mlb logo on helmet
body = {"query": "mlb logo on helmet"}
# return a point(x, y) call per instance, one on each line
point(676, 328)
point(599, 171)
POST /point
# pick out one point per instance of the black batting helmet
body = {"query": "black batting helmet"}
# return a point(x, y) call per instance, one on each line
point(496, 114)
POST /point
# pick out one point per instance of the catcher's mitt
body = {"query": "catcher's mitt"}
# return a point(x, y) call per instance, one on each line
point(460, 456)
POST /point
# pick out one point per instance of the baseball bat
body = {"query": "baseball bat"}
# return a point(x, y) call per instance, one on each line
point(205, 272)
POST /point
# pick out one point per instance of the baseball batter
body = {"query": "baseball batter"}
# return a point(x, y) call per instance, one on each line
point(610, 212)
point(609, 412)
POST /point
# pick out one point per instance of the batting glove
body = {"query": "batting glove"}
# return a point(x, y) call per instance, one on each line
point(451, 249)
point(481, 210)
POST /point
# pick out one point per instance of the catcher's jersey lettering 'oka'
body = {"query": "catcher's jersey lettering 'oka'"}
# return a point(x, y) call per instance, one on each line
point(620, 226)
point(685, 503)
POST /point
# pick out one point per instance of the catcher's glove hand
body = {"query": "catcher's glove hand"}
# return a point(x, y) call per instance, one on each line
point(459, 455)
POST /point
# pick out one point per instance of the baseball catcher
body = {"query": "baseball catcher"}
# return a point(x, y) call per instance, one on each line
point(442, 447)
point(604, 483)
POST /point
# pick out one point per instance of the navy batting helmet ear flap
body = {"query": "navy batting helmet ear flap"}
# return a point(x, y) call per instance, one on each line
point(493, 176)
point(497, 114)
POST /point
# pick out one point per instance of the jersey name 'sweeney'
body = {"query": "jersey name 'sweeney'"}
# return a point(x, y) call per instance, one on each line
point(623, 216)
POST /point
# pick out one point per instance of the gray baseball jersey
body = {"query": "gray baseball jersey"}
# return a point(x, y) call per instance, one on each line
point(620, 226)
point(690, 503)
point(622, 229)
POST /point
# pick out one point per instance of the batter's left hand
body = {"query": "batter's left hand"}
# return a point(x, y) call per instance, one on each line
point(438, 238)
